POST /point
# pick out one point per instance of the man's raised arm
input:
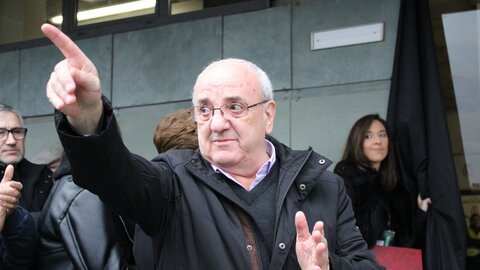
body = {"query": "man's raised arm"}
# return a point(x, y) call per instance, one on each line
point(74, 85)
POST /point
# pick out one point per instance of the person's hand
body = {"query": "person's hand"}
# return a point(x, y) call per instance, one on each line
point(312, 249)
point(9, 194)
point(9, 190)
point(423, 204)
point(74, 85)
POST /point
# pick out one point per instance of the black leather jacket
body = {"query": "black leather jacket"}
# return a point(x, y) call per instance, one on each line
point(76, 229)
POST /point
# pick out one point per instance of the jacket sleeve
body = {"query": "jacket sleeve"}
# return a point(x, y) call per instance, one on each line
point(19, 240)
point(129, 185)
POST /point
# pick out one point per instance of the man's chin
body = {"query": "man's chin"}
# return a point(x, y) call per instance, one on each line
point(224, 161)
point(11, 160)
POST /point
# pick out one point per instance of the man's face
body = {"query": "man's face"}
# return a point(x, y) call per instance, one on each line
point(225, 141)
point(11, 150)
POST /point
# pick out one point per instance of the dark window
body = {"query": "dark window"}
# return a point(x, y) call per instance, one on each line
point(20, 20)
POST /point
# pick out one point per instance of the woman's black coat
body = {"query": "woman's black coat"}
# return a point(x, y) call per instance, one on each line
point(377, 210)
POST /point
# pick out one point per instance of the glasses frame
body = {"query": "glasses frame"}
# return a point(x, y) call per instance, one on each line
point(212, 109)
point(12, 131)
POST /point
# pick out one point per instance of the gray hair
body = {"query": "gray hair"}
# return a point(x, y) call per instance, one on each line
point(49, 155)
point(265, 84)
point(6, 108)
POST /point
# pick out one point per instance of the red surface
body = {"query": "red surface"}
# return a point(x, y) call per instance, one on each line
point(398, 258)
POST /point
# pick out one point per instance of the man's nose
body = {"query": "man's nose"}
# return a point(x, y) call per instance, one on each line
point(218, 121)
point(10, 139)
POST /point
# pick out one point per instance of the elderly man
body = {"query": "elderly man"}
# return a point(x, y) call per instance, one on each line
point(240, 201)
point(36, 179)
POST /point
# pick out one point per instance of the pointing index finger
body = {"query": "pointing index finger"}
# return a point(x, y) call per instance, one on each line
point(69, 49)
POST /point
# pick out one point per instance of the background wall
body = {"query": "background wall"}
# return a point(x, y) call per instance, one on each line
point(150, 73)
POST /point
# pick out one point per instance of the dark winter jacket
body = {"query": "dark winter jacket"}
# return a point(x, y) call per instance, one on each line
point(76, 229)
point(36, 180)
point(377, 210)
point(18, 240)
point(194, 217)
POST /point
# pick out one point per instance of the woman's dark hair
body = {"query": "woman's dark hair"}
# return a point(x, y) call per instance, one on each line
point(354, 153)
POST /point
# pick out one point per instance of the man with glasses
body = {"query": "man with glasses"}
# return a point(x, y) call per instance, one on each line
point(36, 179)
point(240, 201)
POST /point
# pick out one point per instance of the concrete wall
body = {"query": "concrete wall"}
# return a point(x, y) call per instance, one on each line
point(149, 73)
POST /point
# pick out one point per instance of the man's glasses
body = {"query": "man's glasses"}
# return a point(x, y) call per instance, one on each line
point(203, 113)
point(17, 133)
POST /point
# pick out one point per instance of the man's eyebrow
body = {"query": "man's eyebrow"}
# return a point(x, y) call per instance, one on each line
point(235, 99)
point(228, 99)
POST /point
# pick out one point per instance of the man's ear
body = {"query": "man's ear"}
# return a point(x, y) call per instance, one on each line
point(269, 115)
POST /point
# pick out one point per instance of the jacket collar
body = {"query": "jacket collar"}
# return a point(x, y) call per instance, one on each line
point(291, 163)
point(63, 169)
point(24, 168)
point(204, 172)
point(311, 164)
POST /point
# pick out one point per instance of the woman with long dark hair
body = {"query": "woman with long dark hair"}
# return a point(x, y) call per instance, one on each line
point(387, 211)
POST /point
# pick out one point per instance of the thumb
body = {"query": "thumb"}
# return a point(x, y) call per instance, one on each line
point(87, 78)
point(7, 176)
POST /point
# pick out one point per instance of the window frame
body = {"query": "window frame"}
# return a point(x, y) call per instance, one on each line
point(159, 18)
